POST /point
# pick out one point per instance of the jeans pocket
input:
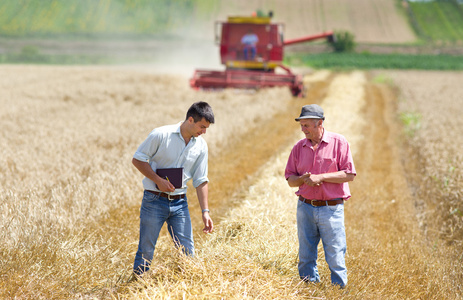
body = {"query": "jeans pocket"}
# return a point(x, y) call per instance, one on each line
point(149, 197)
point(336, 207)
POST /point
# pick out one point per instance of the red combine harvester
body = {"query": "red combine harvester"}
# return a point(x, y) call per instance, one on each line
point(251, 48)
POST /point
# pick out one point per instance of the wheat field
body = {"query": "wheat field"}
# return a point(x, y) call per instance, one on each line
point(70, 196)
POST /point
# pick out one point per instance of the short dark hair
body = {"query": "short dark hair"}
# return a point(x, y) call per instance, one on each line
point(200, 110)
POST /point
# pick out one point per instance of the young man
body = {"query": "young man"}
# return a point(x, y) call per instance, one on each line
point(173, 146)
point(321, 166)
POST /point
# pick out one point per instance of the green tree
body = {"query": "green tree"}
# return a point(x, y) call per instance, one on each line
point(343, 41)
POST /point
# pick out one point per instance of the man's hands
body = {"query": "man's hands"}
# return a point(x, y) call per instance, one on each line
point(202, 192)
point(208, 224)
point(307, 178)
point(165, 185)
point(312, 179)
point(145, 168)
point(318, 179)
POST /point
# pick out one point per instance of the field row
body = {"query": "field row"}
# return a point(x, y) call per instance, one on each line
point(432, 119)
point(368, 61)
point(438, 21)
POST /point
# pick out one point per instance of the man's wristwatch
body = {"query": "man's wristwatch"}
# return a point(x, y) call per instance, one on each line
point(204, 210)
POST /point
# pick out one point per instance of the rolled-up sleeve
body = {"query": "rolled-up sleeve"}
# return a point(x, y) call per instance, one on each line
point(149, 147)
point(346, 162)
point(291, 165)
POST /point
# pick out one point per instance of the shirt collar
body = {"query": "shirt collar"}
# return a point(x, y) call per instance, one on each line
point(177, 130)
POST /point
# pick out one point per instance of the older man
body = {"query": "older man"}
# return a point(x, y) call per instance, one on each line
point(321, 166)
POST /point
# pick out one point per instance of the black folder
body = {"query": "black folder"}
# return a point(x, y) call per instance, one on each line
point(175, 175)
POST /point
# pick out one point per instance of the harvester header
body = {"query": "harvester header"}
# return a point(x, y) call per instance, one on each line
point(251, 48)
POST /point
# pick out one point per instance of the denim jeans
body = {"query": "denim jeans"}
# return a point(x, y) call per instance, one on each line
point(249, 52)
point(325, 223)
point(154, 211)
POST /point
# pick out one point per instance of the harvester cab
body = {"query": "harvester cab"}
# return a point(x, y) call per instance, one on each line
point(251, 49)
point(251, 43)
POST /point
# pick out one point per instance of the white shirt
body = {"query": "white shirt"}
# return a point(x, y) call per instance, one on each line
point(165, 148)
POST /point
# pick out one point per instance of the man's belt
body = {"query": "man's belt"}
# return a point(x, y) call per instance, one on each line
point(168, 196)
point(322, 202)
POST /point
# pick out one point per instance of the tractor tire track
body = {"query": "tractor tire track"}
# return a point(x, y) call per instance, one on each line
point(381, 219)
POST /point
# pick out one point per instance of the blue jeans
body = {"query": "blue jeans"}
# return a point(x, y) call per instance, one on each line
point(154, 211)
point(327, 223)
point(249, 52)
